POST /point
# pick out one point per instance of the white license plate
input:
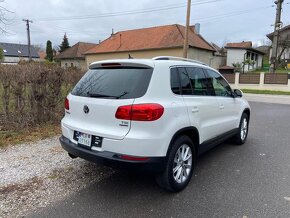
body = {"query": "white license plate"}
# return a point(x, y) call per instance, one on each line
point(85, 139)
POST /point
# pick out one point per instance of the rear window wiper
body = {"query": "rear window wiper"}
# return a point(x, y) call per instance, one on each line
point(96, 95)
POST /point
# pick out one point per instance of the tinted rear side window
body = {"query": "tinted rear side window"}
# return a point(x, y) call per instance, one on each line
point(124, 83)
point(198, 80)
point(186, 88)
point(175, 84)
point(189, 81)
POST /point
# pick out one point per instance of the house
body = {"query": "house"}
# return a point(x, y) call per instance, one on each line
point(220, 56)
point(14, 53)
point(243, 54)
point(42, 55)
point(284, 46)
point(151, 42)
point(74, 56)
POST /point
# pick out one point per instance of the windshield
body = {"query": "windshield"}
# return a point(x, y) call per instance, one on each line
point(115, 83)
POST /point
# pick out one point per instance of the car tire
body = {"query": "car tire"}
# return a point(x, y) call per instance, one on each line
point(179, 166)
point(242, 134)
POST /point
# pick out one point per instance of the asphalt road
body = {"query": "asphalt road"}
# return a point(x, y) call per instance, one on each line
point(252, 180)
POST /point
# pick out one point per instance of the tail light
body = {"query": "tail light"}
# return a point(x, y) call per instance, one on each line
point(140, 112)
point(66, 104)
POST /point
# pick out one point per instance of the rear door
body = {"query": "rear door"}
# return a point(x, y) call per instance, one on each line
point(95, 99)
point(202, 108)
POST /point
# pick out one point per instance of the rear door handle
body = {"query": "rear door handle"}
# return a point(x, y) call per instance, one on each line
point(194, 110)
point(222, 106)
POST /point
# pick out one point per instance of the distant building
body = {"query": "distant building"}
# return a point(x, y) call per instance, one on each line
point(13, 53)
point(150, 42)
point(220, 56)
point(42, 55)
point(74, 56)
point(240, 52)
point(284, 36)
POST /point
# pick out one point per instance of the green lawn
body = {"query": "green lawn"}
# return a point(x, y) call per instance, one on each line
point(268, 92)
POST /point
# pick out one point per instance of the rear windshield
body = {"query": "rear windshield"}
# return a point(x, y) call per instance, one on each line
point(115, 83)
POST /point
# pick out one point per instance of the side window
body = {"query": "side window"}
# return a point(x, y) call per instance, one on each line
point(198, 80)
point(186, 88)
point(218, 85)
point(174, 80)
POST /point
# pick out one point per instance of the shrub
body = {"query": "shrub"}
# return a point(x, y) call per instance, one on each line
point(33, 93)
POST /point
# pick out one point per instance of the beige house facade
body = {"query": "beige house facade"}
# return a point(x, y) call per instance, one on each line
point(193, 53)
point(152, 42)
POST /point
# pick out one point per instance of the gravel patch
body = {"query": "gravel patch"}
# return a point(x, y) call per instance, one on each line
point(33, 175)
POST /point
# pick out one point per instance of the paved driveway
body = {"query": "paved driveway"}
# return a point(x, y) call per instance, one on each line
point(252, 180)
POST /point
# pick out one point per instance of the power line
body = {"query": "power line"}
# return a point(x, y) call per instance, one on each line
point(207, 18)
point(122, 13)
point(234, 13)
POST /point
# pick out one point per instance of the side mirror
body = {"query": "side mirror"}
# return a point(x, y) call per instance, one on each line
point(238, 93)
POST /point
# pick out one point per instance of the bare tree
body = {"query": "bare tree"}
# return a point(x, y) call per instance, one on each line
point(284, 45)
point(4, 21)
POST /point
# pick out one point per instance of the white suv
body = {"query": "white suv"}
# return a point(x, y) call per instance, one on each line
point(156, 115)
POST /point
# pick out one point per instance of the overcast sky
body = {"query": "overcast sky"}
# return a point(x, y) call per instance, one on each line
point(221, 20)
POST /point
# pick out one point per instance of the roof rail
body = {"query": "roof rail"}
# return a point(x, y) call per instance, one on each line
point(177, 59)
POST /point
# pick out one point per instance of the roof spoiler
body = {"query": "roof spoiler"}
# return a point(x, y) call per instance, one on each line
point(120, 64)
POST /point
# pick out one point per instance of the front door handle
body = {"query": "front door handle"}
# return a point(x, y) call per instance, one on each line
point(222, 106)
point(194, 110)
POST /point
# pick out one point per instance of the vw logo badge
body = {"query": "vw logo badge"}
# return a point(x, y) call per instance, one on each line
point(86, 109)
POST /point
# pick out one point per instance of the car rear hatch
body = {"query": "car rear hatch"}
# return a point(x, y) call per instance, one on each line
point(103, 89)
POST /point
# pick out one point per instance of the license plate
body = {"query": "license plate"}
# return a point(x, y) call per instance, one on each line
point(85, 139)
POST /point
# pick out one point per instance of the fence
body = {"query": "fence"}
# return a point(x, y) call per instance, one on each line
point(259, 81)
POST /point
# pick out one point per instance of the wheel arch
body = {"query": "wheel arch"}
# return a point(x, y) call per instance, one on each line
point(248, 112)
point(191, 132)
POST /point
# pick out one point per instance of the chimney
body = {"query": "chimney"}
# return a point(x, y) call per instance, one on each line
point(197, 28)
point(112, 32)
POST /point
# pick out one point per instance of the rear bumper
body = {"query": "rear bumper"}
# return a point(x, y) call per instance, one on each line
point(153, 164)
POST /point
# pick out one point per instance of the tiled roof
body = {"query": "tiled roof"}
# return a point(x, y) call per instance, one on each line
point(17, 50)
point(168, 36)
point(76, 51)
point(239, 45)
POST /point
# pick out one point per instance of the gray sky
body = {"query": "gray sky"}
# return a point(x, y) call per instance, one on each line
point(221, 20)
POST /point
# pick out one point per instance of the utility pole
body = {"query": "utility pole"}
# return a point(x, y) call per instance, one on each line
point(185, 46)
point(28, 37)
point(277, 27)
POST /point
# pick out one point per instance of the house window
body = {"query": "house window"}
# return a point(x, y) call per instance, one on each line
point(252, 56)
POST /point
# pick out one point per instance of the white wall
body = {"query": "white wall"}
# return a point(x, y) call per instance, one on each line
point(235, 56)
point(238, 55)
point(260, 61)
point(81, 64)
point(17, 59)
